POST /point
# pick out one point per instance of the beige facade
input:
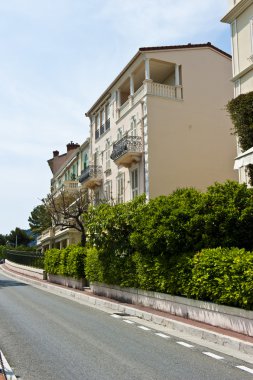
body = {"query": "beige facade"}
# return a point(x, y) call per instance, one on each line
point(240, 18)
point(162, 124)
point(66, 170)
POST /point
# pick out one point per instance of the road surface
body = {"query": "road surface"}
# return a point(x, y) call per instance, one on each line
point(45, 337)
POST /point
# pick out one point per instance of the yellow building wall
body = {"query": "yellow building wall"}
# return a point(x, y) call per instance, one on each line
point(190, 141)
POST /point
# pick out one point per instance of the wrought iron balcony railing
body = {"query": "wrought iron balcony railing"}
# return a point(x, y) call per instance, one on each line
point(127, 150)
point(92, 175)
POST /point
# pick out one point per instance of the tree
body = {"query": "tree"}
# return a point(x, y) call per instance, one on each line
point(68, 210)
point(18, 237)
point(241, 114)
point(2, 239)
point(39, 219)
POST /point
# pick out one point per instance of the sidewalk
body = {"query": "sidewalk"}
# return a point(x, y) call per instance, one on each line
point(221, 339)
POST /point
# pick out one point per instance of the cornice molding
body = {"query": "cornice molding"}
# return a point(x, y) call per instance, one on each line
point(236, 11)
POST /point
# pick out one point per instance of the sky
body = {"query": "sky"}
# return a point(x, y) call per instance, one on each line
point(56, 58)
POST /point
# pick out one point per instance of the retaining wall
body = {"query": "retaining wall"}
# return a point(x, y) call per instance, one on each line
point(230, 318)
point(26, 270)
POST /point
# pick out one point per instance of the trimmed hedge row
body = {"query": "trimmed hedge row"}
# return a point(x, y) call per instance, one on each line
point(2, 251)
point(220, 275)
point(154, 245)
point(66, 262)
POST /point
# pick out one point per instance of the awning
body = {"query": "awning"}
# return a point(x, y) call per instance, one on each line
point(244, 159)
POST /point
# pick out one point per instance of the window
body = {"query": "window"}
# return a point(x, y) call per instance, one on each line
point(108, 191)
point(134, 183)
point(107, 155)
point(120, 188)
point(119, 133)
point(107, 116)
point(133, 128)
point(85, 160)
point(97, 126)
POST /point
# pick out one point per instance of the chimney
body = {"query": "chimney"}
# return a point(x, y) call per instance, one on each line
point(55, 153)
point(72, 146)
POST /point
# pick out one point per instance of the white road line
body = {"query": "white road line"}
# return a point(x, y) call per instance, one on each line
point(250, 370)
point(115, 316)
point(127, 321)
point(185, 344)
point(8, 370)
point(213, 355)
point(144, 328)
point(162, 335)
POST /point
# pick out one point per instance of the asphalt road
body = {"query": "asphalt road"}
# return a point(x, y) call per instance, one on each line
point(44, 336)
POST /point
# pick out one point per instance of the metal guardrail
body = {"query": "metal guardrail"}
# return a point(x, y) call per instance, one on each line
point(32, 259)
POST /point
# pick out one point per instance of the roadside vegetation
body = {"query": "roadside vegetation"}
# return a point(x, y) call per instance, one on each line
point(190, 243)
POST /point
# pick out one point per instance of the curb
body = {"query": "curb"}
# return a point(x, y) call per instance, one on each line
point(7, 369)
point(221, 341)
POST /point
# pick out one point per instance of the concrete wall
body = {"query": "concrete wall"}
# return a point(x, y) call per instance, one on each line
point(67, 281)
point(231, 318)
point(24, 269)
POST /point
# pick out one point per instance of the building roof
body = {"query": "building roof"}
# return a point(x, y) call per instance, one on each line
point(188, 46)
point(236, 11)
point(154, 48)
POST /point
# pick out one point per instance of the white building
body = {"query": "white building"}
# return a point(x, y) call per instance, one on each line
point(162, 124)
point(240, 18)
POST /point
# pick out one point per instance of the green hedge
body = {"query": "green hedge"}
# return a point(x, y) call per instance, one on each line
point(220, 275)
point(66, 262)
point(224, 276)
point(2, 251)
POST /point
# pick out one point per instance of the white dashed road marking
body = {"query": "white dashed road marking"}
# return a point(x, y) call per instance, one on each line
point(162, 335)
point(185, 344)
point(213, 355)
point(144, 328)
point(210, 354)
point(250, 370)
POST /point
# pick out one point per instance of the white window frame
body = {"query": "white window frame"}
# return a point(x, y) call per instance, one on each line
point(133, 127)
point(134, 183)
point(120, 188)
point(107, 154)
point(108, 191)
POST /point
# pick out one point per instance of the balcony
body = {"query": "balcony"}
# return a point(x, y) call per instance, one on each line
point(151, 88)
point(127, 151)
point(92, 176)
point(46, 236)
point(67, 186)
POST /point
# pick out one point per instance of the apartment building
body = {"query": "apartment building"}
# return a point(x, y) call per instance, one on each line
point(240, 18)
point(162, 124)
point(66, 169)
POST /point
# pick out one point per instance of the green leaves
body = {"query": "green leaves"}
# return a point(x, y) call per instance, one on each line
point(224, 276)
point(241, 113)
point(66, 262)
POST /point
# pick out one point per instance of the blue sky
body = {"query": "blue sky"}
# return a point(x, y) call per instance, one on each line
point(57, 56)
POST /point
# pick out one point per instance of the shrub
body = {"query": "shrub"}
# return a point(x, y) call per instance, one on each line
point(52, 261)
point(228, 216)
point(93, 266)
point(224, 276)
point(2, 251)
point(75, 261)
point(66, 262)
point(170, 225)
